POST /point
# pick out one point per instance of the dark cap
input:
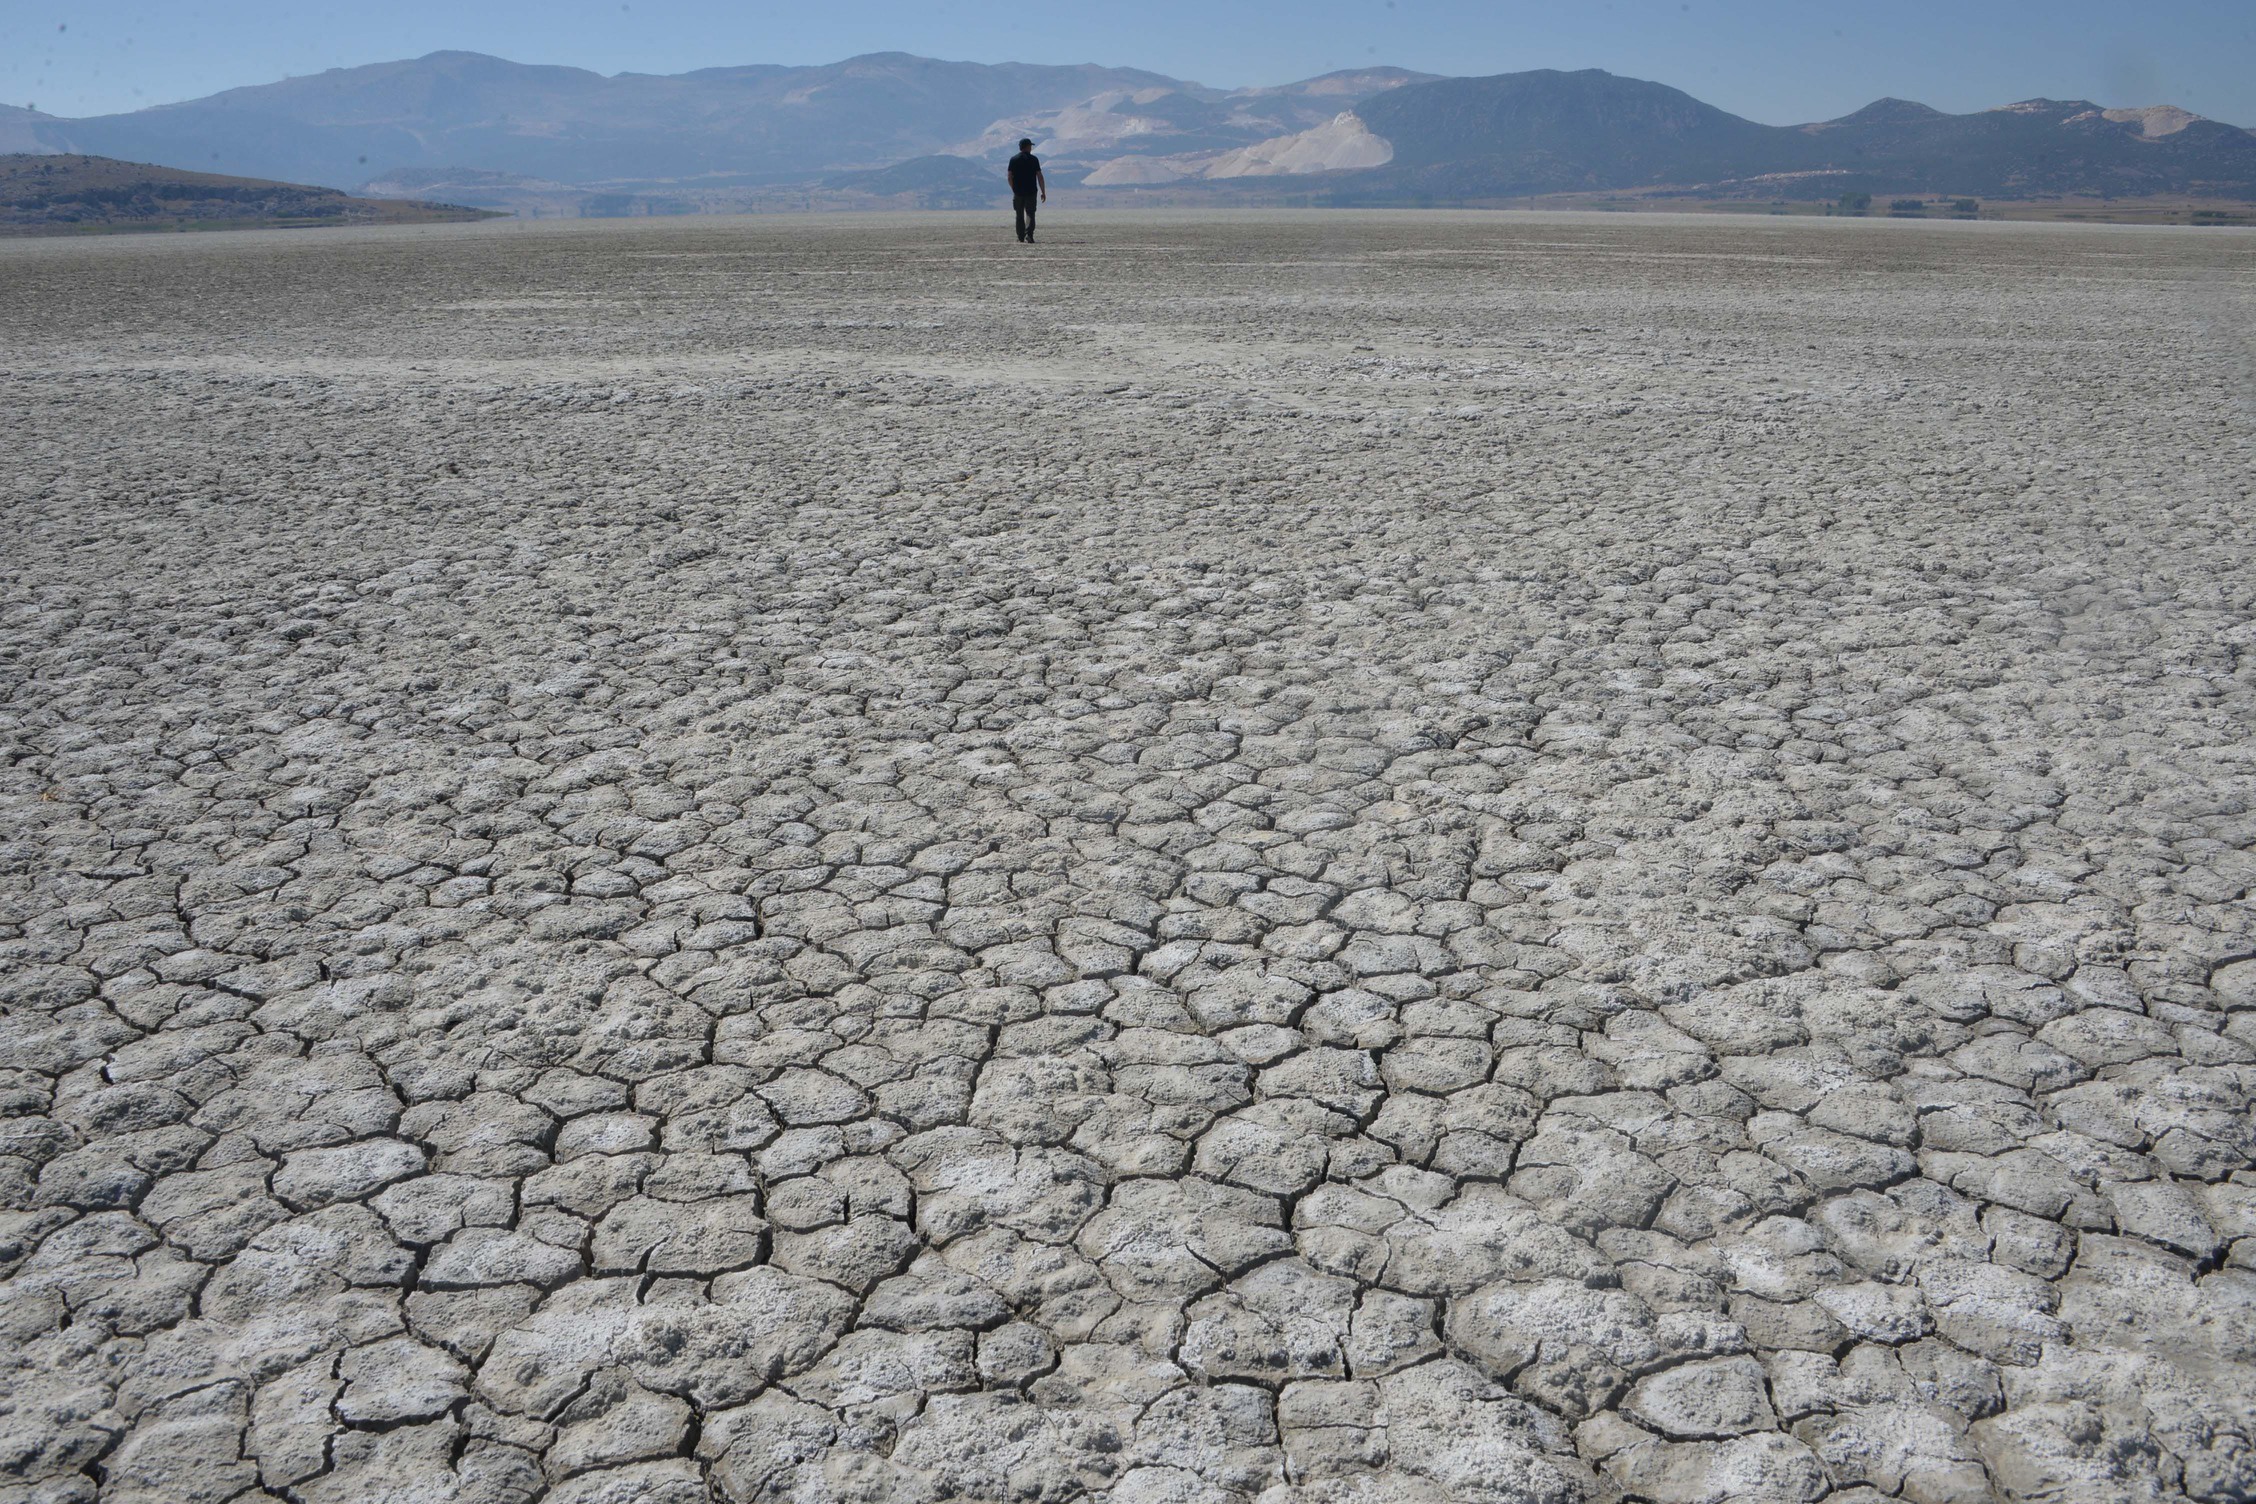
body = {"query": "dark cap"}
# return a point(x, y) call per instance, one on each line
point(1026, 143)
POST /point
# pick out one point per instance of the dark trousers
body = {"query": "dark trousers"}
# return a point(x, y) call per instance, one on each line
point(1022, 204)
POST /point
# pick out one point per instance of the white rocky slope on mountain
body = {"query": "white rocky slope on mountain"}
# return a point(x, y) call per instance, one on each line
point(2154, 119)
point(1102, 121)
point(1340, 144)
point(1179, 132)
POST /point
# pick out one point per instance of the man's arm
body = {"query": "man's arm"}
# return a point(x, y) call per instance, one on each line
point(1044, 182)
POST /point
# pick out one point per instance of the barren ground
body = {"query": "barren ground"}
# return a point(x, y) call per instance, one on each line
point(1332, 860)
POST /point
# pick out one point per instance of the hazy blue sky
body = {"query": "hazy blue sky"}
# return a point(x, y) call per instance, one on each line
point(1780, 61)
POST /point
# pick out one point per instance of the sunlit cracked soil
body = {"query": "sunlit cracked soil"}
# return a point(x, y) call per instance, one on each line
point(1317, 860)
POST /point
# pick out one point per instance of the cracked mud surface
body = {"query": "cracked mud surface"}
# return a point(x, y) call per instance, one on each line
point(1325, 861)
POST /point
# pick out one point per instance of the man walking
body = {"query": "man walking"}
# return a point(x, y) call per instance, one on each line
point(1026, 181)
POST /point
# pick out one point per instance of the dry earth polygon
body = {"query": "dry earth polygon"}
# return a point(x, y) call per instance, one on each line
point(1317, 860)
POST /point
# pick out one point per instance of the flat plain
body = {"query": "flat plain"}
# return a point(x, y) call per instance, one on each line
point(1331, 859)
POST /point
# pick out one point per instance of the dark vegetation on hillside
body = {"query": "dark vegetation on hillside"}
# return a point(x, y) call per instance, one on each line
point(60, 194)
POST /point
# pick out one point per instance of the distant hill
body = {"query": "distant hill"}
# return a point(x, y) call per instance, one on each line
point(1550, 132)
point(48, 194)
point(2039, 148)
point(1562, 128)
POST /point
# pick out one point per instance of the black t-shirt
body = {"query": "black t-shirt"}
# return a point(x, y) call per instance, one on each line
point(1025, 170)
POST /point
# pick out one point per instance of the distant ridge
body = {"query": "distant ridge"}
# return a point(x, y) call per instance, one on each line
point(1588, 127)
point(21, 129)
point(893, 127)
point(1883, 112)
point(1549, 132)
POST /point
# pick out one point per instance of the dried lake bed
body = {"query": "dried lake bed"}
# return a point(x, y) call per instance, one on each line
point(1324, 859)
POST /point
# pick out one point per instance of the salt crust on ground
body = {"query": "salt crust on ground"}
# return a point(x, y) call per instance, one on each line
point(1308, 860)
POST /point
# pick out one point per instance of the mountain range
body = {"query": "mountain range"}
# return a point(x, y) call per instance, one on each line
point(747, 124)
point(1549, 132)
point(894, 127)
